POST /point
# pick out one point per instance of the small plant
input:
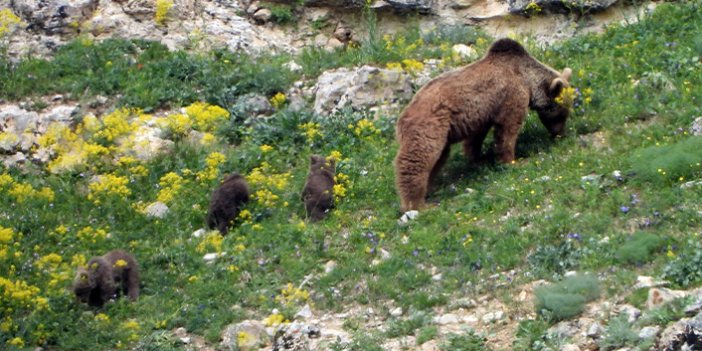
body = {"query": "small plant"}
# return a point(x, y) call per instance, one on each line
point(640, 248)
point(554, 259)
point(466, 342)
point(281, 14)
point(686, 268)
point(566, 298)
point(426, 333)
point(532, 9)
point(162, 9)
point(619, 333)
point(530, 335)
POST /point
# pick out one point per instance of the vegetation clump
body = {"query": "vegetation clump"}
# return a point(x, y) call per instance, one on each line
point(567, 298)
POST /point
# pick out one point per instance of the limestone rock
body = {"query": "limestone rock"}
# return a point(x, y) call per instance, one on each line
point(254, 332)
point(659, 296)
point(54, 16)
point(560, 6)
point(359, 88)
point(157, 209)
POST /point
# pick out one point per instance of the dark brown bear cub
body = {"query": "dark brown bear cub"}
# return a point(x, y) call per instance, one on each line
point(226, 202)
point(318, 193)
point(105, 277)
point(463, 105)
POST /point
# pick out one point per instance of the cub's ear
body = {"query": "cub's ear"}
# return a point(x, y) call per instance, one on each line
point(560, 82)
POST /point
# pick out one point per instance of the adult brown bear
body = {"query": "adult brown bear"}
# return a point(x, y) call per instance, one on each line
point(463, 105)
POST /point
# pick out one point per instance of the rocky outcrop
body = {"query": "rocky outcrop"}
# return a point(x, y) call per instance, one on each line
point(360, 88)
point(527, 7)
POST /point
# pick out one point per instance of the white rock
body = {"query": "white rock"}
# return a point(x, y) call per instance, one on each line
point(659, 296)
point(304, 313)
point(462, 50)
point(255, 331)
point(396, 312)
point(198, 233)
point(437, 277)
point(293, 67)
point(407, 216)
point(384, 255)
point(491, 317)
point(449, 318)
point(594, 331)
point(643, 282)
point(631, 312)
point(157, 209)
point(329, 266)
point(569, 347)
point(471, 319)
point(210, 257)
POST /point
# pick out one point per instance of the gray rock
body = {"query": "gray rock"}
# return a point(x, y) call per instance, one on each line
point(420, 6)
point(54, 16)
point(594, 331)
point(695, 307)
point(492, 317)
point(560, 6)
point(254, 105)
point(295, 336)
point(446, 319)
point(660, 296)
point(255, 333)
point(649, 332)
point(677, 335)
point(157, 209)
point(360, 88)
point(304, 313)
point(696, 127)
point(262, 16)
point(632, 313)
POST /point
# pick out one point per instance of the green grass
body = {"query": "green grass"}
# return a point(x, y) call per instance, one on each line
point(514, 219)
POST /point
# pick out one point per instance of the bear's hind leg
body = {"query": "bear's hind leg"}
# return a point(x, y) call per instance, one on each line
point(413, 166)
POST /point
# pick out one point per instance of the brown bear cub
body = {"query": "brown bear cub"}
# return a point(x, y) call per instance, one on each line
point(464, 104)
point(318, 193)
point(105, 277)
point(226, 202)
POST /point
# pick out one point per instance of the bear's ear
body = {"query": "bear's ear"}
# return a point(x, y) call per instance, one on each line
point(560, 82)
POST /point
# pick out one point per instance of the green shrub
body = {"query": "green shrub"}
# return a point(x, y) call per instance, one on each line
point(686, 269)
point(640, 248)
point(619, 333)
point(281, 13)
point(681, 160)
point(566, 298)
point(554, 259)
point(466, 342)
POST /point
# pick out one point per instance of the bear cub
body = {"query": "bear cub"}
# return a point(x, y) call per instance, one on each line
point(226, 202)
point(105, 277)
point(318, 193)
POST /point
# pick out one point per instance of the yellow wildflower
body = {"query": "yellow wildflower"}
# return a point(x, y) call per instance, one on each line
point(278, 100)
point(206, 117)
point(265, 148)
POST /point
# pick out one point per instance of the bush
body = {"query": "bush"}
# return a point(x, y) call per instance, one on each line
point(467, 342)
point(554, 259)
point(618, 334)
point(566, 298)
point(686, 269)
point(670, 162)
point(639, 248)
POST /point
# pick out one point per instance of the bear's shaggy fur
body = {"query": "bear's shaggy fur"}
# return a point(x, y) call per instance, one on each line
point(318, 193)
point(464, 104)
point(105, 278)
point(226, 202)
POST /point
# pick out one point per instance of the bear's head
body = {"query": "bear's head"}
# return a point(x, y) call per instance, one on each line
point(83, 284)
point(554, 109)
point(318, 162)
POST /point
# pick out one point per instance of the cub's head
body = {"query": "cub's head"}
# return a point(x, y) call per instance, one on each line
point(318, 162)
point(83, 284)
point(554, 106)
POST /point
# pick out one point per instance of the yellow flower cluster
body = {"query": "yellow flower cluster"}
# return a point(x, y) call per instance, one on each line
point(8, 20)
point(7, 237)
point(91, 235)
point(206, 117)
point(170, 184)
point(18, 295)
point(114, 125)
point(291, 294)
point(176, 123)
point(566, 97)
point(265, 148)
point(342, 182)
point(364, 128)
point(102, 318)
point(267, 184)
point(335, 155)
point(162, 9)
point(278, 100)
point(274, 319)
point(310, 130)
point(211, 171)
point(24, 191)
point(108, 186)
point(211, 242)
point(50, 261)
point(400, 45)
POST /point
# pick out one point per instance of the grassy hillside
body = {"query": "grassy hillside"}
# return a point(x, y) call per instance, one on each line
point(558, 208)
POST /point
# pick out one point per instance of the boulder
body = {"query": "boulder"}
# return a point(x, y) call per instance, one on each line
point(360, 88)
